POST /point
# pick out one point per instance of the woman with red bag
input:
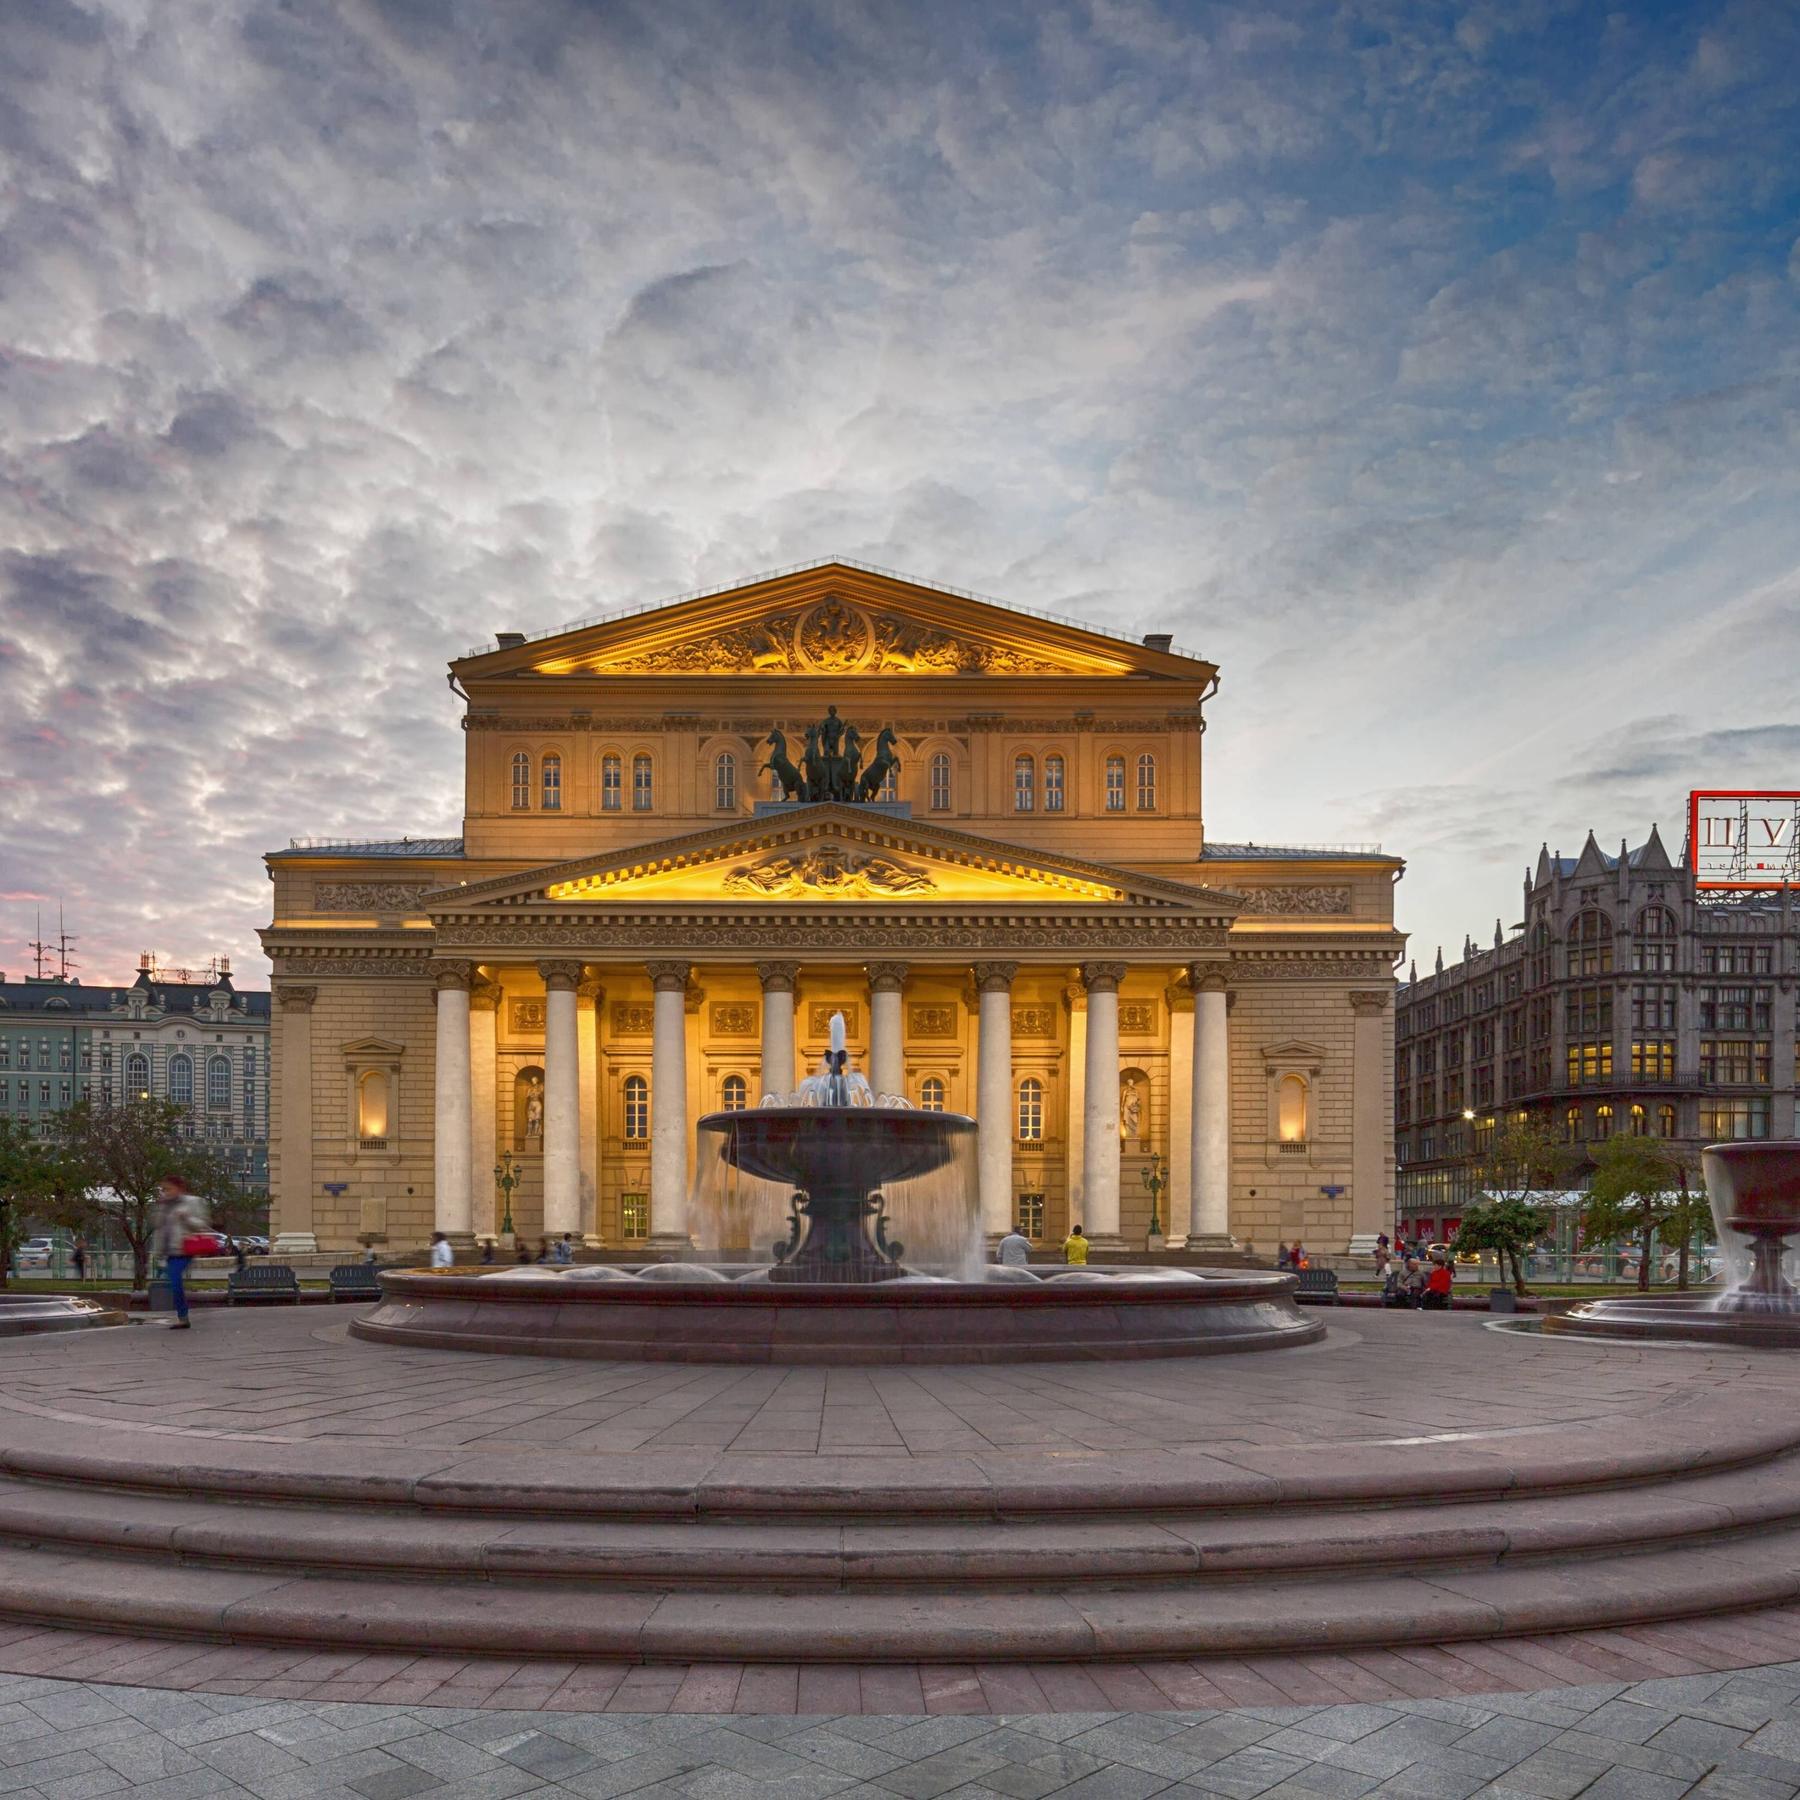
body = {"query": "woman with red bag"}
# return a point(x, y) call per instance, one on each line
point(182, 1233)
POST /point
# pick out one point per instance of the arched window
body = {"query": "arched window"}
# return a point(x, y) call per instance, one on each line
point(1031, 1109)
point(890, 785)
point(1290, 1109)
point(372, 1106)
point(1590, 944)
point(1054, 787)
point(181, 1079)
point(931, 1094)
point(734, 1096)
point(1653, 942)
point(552, 773)
point(218, 1083)
point(643, 788)
point(521, 782)
point(137, 1076)
point(725, 782)
point(1603, 1120)
point(1572, 1125)
point(1665, 1121)
point(1115, 784)
point(1024, 784)
point(1640, 1122)
point(940, 781)
point(612, 782)
point(637, 1107)
point(1146, 794)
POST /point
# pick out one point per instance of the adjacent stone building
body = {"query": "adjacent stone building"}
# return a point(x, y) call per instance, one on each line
point(1016, 908)
point(1625, 1002)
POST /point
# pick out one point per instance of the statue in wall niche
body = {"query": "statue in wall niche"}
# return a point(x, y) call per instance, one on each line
point(534, 1107)
point(1131, 1107)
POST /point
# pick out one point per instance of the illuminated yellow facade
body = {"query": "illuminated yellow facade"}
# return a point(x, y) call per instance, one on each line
point(1025, 922)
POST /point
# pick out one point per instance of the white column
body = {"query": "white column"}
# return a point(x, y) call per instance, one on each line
point(1211, 1123)
point(887, 1049)
point(1076, 1173)
point(778, 980)
point(562, 1099)
point(1179, 1201)
point(994, 1096)
point(450, 1134)
point(1371, 1129)
point(668, 1106)
point(589, 998)
point(293, 1218)
point(1100, 1172)
point(484, 1074)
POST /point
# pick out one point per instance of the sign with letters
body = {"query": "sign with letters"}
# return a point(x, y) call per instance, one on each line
point(1744, 838)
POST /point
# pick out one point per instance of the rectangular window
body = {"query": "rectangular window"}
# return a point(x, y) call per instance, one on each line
point(643, 790)
point(1115, 784)
point(634, 1215)
point(1653, 1059)
point(1735, 1062)
point(1146, 784)
point(940, 783)
point(1022, 784)
point(1721, 1120)
point(1589, 1062)
point(1053, 784)
point(1031, 1214)
point(611, 784)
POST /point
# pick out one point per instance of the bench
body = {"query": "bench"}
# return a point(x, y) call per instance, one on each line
point(262, 1281)
point(1318, 1285)
point(355, 1281)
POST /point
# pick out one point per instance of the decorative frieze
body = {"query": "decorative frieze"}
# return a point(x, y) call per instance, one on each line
point(1306, 968)
point(733, 1018)
point(1137, 1018)
point(1295, 898)
point(631, 1018)
point(1150, 936)
point(369, 896)
point(526, 1017)
point(1034, 1021)
point(925, 1020)
point(818, 1017)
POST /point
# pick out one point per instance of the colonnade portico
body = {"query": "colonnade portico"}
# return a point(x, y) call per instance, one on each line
point(574, 992)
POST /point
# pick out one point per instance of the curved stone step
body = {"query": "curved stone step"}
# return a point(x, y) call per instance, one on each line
point(827, 1553)
point(965, 1624)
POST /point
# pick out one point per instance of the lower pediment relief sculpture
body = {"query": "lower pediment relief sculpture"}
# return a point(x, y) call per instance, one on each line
point(828, 871)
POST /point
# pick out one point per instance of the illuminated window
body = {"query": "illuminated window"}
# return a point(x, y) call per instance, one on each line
point(1031, 1215)
point(1590, 944)
point(1115, 784)
point(1290, 1099)
point(1024, 783)
point(1054, 784)
point(1603, 1121)
point(940, 782)
point(1146, 792)
point(372, 1108)
point(1031, 1108)
point(643, 789)
point(521, 781)
point(890, 785)
point(181, 1080)
point(137, 1076)
point(637, 1107)
point(612, 782)
point(1640, 1122)
point(1665, 1121)
point(552, 773)
point(1724, 1119)
point(634, 1215)
point(931, 1094)
point(1572, 1124)
point(218, 1083)
point(725, 782)
point(734, 1096)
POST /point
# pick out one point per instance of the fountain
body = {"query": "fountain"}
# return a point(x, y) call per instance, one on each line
point(838, 1225)
point(1754, 1191)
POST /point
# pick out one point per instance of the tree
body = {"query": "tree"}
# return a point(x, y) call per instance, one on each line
point(1639, 1184)
point(1509, 1227)
point(130, 1149)
point(35, 1181)
point(1524, 1157)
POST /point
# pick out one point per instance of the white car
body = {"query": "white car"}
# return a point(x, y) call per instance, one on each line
point(34, 1253)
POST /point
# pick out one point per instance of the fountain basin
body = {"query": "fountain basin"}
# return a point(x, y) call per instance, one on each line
point(26, 1314)
point(896, 1321)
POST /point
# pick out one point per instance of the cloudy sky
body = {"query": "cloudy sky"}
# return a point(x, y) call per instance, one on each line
point(1433, 369)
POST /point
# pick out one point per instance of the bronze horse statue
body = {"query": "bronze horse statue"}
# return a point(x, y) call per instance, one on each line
point(781, 766)
point(884, 762)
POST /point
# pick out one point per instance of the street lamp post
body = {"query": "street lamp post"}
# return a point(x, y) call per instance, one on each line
point(1156, 1181)
point(506, 1178)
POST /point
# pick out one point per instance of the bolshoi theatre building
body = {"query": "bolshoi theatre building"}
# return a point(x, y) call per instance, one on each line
point(694, 831)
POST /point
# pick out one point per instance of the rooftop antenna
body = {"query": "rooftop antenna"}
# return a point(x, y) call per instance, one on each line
point(64, 943)
point(37, 946)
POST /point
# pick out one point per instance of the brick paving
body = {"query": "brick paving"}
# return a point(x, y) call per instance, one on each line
point(1717, 1736)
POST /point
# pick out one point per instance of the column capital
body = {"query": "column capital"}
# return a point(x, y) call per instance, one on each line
point(1370, 1000)
point(560, 976)
point(778, 976)
point(589, 988)
point(995, 977)
point(1208, 977)
point(1177, 998)
point(1075, 997)
point(452, 975)
point(485, 996)
point(1102, 977)
point(295, 996)
point(887, 977)
point(669, 977)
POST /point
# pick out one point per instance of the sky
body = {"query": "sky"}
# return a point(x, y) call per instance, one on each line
point(1433, 369)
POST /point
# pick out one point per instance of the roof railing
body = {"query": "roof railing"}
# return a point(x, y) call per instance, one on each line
point(820, 562)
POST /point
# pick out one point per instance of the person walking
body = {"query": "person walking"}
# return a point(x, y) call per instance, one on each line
point(562, 1251)
point(1075, 1248)
point(181, 1235)
point(1015, 1249)
point(79, 1254)
point(442, 1255)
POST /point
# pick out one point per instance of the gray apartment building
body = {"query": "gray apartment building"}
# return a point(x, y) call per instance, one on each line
point(1624, 1002)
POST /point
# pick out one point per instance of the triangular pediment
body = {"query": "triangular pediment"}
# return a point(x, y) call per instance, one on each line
point(837, 620)
point(829, 856)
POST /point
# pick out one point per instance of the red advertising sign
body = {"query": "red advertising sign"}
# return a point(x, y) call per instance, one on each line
point(1744, 837)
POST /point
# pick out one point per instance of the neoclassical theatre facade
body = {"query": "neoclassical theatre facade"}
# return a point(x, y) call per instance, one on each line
point(693, 832)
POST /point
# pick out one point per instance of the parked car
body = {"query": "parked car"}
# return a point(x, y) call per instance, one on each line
point(35, 1253)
